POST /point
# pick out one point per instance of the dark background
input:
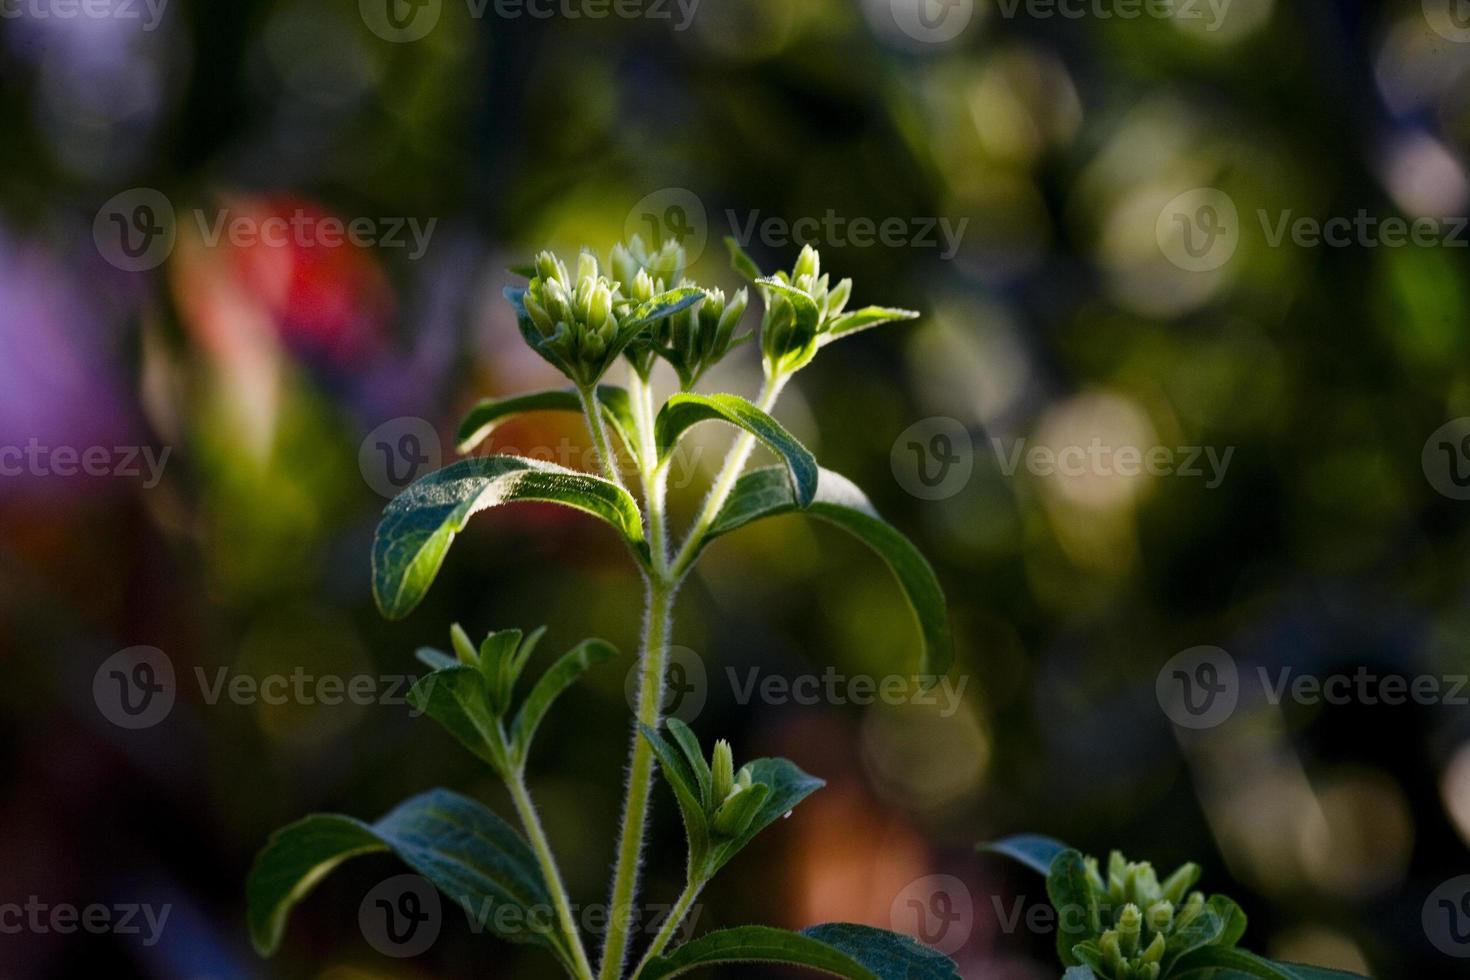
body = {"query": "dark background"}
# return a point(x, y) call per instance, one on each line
point(1060, 319)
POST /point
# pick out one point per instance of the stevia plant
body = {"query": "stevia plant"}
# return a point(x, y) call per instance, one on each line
point(1122, 923)
point(582, 318)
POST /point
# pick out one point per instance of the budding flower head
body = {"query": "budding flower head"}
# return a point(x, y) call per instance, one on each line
point(573, 321)
point(699, 338)
point(722, 772)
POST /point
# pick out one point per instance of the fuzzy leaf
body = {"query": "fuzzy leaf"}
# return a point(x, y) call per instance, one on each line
point(1222, 963)
point(661, 307)
point(1033, 850)
point(1069, 891)
point(456, 697)
point(864, 319)
point(562, 675)
point(421, 523)
point(767, 493)
point(489, 414)
point(466, 851)
point(842, 950)
point(684, 411)
point(686, 793)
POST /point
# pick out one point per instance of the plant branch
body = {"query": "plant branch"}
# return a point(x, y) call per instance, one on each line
point(671, 925)
point(733, 466)
point(597, 426)
point(516, 781)
point(652, 659)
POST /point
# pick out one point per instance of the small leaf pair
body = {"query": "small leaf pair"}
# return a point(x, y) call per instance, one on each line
point(724, 810)
point(1129, 925)
point(471, 693)
point(804, 312)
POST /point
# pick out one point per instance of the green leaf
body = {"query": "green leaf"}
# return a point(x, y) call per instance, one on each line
point(661, 307)
point(851, 951)
point(1203, 930)
point(788, 786)
point(864, 319)
point(1237, 963)
point(698, 767)
point(1233, 920)
point(684, 411)
point(741, 262)
point(434, 659)
point(887, 954)
point(686, 793)
point(800, 345)
point(456, 697)
point(466, 851)
point(562, 675)
point(421, 523)
point(767, 493)
point(1069, 891)
point(1033, 850)
point(489, 414)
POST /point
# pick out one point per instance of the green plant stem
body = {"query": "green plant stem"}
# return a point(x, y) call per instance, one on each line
point(653, 475)
point(670, 926)
point(516, 781)
point(597, 426)
point(653, 659)
point(724, 483)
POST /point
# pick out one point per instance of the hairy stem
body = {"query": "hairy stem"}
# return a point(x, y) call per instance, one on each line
point(730, 472)
point(671, 925)
point(653, 659)
point(597, 426)
point(654, 476)
point(532, 822)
